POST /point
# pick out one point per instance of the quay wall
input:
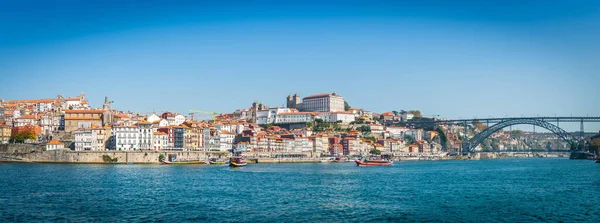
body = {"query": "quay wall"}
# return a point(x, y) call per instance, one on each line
point(31, 153)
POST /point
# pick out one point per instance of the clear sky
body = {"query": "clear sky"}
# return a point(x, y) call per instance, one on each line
point(449, 58)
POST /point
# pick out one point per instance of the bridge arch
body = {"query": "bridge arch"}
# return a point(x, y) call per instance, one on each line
point(479, 137)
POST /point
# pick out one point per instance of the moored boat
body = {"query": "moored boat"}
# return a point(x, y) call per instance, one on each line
point(215, 161)
point(183, 162)
point(374, 162)
point(237, 162)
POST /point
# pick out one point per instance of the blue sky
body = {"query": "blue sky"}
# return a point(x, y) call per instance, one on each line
point(448, 58)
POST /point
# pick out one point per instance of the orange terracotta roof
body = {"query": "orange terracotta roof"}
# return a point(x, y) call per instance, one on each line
point(54, 142)
point(119, 115)
point(388, 114)
point(72, 99)
point(144, 122)
point(159, 133)
point(84, 111)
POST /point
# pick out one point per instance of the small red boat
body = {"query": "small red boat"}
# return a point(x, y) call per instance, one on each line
point(374, 163)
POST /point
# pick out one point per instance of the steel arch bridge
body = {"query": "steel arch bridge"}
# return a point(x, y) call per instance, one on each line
point(481, 136)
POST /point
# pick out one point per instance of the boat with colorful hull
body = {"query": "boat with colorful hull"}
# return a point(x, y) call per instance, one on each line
point(215, 161)
point(374, 162)
point(237, 162)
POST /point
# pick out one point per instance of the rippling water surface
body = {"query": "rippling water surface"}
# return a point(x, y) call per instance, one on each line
point(507, 190)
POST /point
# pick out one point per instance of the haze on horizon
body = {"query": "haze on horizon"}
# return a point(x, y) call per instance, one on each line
point(461, 59)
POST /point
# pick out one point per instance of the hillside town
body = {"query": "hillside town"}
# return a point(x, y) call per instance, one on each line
point(318, 125)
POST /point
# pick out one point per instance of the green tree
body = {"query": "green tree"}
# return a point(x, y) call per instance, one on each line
point(70, 107)
point(309, 125)
point(161, 157)
point(409, 140)
point(364, 129)
point(416, 113)
point(370, 138)
point(375, 152)
point(22, 136)
point(346, 106)
point(395, 113)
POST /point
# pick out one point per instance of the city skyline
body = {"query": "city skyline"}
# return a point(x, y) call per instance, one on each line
point(476, 60)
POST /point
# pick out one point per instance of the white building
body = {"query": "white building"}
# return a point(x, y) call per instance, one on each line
point(153, 118)
point(83, 139)
point(323, 103)
point(145, 135)
point(406, 116)
point(54, 144)
point(179, 119)
point(269, 116)
point(376, 129)
point(397, 131)
point(163, 123)
point(294, 117)
point(45, 105)
point(160, 141)
point(126, 137)
point(332, 117)
point(225, 140)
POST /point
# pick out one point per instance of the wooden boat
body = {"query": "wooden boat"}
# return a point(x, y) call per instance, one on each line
point(374, 163)
point(183, 162)
point(214, 161)
point(237, 162)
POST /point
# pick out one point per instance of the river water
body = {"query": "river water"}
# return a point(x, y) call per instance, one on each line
point(503, 190)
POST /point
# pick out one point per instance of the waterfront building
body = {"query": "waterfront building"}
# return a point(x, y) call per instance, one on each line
point(145, 135)
point(100, 137)
point(76, 119)
point(5, 133)
point(54, 145)
point(178, 137)
point(320, 143)
point(351, 146)
point(225, 142)
point(126, 137)
point(83, 139)
point(160, 141)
